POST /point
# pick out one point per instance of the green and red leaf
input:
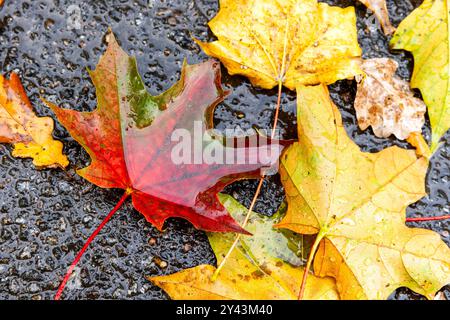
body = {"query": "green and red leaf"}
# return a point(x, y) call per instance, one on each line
point(129, 140)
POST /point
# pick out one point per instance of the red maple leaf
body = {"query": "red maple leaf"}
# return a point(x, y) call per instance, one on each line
point(130, 140)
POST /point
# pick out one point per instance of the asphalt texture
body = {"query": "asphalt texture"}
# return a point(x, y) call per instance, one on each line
point(45, 216)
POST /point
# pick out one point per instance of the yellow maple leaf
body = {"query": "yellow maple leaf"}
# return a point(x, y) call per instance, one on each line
point(356, 202)
point(380, 9)
point(426, 34)
point(290, 42)
point(261, 267)
point(31, 135)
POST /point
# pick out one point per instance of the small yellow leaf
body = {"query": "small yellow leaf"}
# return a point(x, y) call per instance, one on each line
point(291, 41)
point(379, 8)
point(356, 203)
point(385, 102)
point(261, 267)
point(31, 135)
point(422, 149)
point(425, 33)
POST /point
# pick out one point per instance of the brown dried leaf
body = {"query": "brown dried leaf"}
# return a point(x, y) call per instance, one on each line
point(386, 102)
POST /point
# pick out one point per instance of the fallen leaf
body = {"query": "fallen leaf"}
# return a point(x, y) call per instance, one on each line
point(381, 12)
point(385, 102)
point(355, 202)
point(261, 267)
point(31, 135)
point(425, 33)
point(130, 140)
point(422, 148)
point(291, 42)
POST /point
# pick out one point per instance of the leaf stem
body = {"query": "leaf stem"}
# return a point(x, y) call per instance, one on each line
point(428, 219)
point(277, 110)
point(272, 135)
point(257, 192)
point(238, 237)
point(314, 248)
point(87, 243)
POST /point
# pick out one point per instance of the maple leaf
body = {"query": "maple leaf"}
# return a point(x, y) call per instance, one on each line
point(31, 135)
point(425, 33)
point(381, 12)
point(386, 102)
point(355, 202)
point(288, 42)
point(262, 267)
point(129, 153)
